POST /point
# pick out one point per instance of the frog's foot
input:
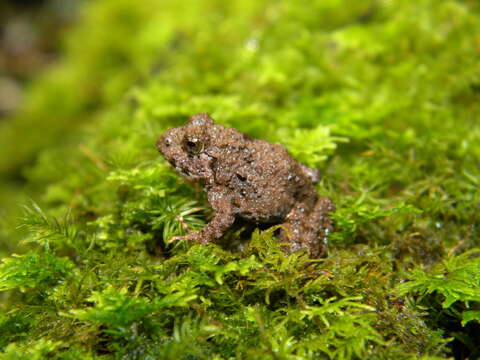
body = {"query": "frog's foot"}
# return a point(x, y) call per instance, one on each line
point(194, 236)
point(213, 230)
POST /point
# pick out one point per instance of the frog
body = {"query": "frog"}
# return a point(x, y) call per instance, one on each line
point(252, 180)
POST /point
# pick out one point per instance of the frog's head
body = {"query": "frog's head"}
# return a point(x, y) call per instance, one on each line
point(184, 147)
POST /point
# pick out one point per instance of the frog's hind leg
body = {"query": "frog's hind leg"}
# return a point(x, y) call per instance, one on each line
point(319, 219)
point(308, 231)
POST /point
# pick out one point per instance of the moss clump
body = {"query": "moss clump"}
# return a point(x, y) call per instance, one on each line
point(381, 96)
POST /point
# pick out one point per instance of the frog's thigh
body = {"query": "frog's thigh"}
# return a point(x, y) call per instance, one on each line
point(294, 235)
point(308, 230)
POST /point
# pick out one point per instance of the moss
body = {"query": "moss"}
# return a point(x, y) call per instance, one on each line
point(381, 96)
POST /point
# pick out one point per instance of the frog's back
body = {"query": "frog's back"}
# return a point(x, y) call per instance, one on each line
point(270, 183)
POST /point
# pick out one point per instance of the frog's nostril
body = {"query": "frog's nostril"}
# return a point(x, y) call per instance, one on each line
point(163, 143)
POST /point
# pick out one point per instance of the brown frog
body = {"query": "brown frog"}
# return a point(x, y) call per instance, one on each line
point(249, 179)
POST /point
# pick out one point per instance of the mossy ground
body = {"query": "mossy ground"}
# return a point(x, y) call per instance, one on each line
point(382, 96)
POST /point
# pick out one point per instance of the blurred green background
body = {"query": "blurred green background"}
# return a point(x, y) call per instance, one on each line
point(31, 41)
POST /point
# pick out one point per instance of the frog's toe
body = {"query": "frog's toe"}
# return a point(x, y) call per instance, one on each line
point(174, 239)
point(193, 236)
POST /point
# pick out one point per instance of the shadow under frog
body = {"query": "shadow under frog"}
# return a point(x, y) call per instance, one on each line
point(251, 180)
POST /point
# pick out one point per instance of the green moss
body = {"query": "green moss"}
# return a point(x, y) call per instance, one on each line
point(31, 270)
point(381, 96)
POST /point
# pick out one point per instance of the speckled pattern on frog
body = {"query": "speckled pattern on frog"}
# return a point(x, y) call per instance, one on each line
point(250, 179)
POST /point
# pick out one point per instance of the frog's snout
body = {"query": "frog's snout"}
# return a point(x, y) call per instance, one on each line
point(163, 142)
point(159, 144)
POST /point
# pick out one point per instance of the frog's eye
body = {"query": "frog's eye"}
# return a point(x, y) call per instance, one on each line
point(192, 145)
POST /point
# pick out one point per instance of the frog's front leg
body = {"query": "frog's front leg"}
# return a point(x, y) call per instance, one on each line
point(223, 219)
